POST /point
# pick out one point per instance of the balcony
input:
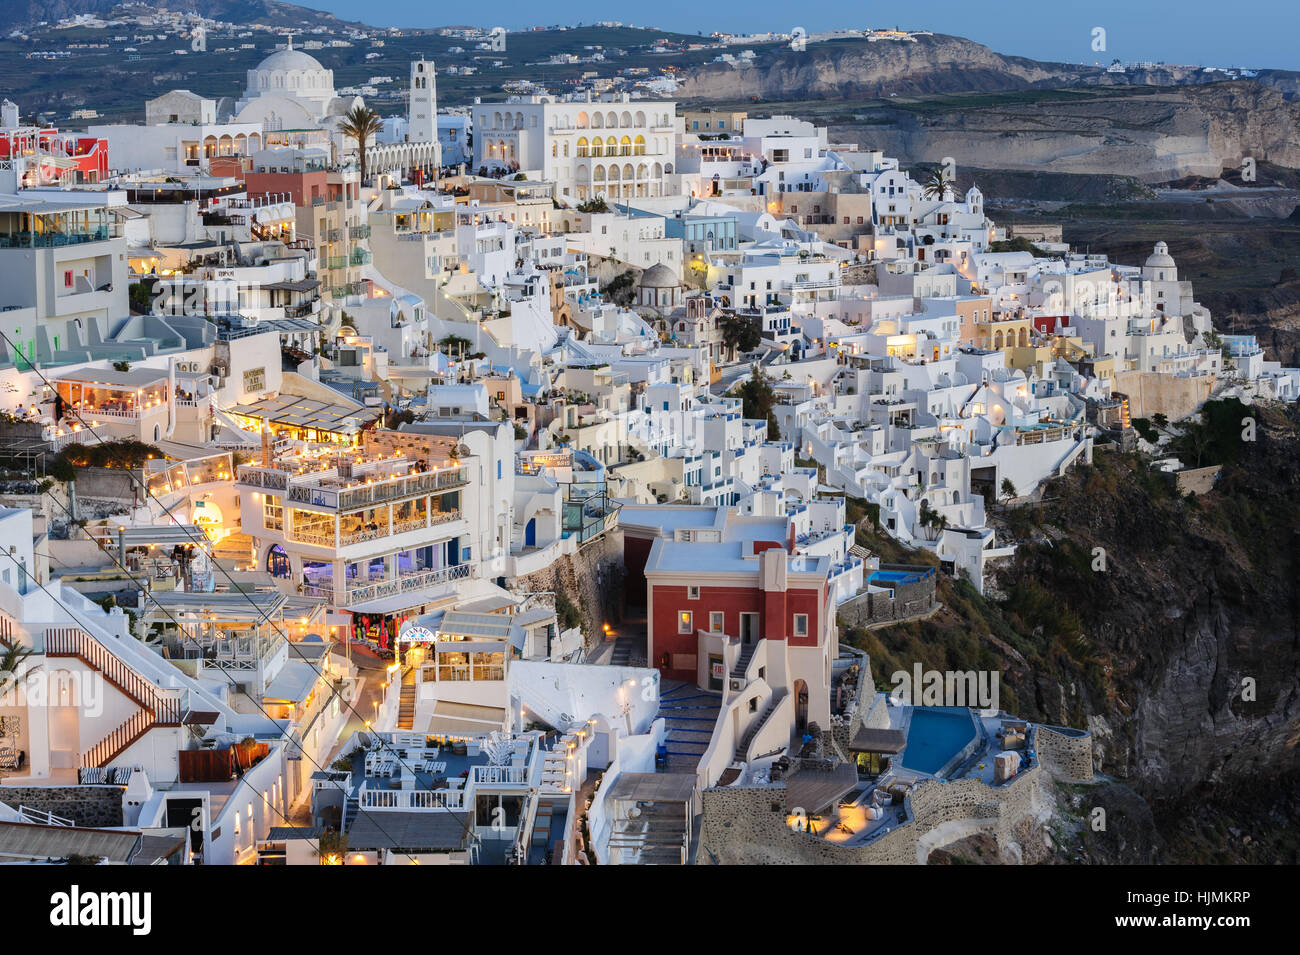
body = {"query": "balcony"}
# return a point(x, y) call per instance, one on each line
point(359, 232)
point(51, 240)
point(336, 262)
point(333, 492)
point(361, 257)
point(302, 310)
point(373, 590)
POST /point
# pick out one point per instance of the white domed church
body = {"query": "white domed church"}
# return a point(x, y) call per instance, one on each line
point(291, 90)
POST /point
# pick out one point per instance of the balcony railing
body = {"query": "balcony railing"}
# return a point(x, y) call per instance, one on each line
point(408, 799)
point(389, 588)
point(359, 232)
point(361, 257)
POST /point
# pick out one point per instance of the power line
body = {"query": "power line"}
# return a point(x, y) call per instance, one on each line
point(88, 629)
point(149, 495)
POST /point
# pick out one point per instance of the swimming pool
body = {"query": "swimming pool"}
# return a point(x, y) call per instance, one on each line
point(936, 736)
point(886, 577)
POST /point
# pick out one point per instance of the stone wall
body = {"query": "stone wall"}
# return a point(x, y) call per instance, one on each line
point(909, 600)
point(1197, 480)
point(747, 825)
point(1067, 753)
point(592, 578)
point(90, 806)
point(1150, 393)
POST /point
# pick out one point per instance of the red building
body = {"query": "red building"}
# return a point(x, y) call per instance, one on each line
point(703, 597)
point(47, 157)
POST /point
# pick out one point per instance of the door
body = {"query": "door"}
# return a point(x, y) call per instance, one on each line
point(749, 628)
point(530, 533)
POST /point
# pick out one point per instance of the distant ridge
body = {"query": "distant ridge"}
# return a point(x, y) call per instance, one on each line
point(27, 13)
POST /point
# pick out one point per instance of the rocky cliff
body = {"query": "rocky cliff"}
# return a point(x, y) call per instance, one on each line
point(858, 69)
point(1152, 134)
point(1180, 652)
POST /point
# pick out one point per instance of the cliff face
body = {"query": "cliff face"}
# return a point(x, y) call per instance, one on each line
point(1154, 136)
point(1187, 665)
point(1180, 654)
point(847, 70)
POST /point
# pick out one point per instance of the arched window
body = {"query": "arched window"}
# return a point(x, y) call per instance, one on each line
point(611, 121)
point(583, 121)
point(640, 118)
point(597, 121)
point(639, 145)
point(598, 174)
point(625, 146)
point(626, 119)
point(277, 562)
point(582, 146)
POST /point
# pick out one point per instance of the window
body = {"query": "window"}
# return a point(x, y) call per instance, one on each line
point(715, 621)
point(67, 278)
point(801, 625)
point(273, 514)
point(685, 622)
point(692, 593)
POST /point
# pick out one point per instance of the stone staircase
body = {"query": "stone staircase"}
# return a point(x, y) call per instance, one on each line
point(742, 662)
point(742, 747)
point(406, 701)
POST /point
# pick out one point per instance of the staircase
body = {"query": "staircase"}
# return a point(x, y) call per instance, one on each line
point(556, 774)
point(351, 806)
point(406, 702)
point(742, 748)
point(742, 662)
point(154, 710)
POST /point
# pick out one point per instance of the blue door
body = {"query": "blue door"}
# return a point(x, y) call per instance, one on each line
point(530, 533)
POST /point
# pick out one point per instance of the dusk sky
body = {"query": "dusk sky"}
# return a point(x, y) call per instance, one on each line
point(1257, 33)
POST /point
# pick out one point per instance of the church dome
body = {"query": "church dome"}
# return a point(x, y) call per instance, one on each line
point(290, 60)
point(1160, 258)
point(658, 276)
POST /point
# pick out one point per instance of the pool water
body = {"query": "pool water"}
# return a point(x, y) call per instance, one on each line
point(883, 577)
point(935, 736)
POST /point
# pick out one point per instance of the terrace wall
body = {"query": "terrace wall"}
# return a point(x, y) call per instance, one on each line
point(909, 600)
point(86, 806)
point(1066, 752)
point(742, 827)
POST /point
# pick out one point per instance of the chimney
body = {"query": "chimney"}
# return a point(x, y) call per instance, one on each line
point(266, 446)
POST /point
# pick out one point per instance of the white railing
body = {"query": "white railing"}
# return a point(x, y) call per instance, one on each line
point(407, 799)
point(499, 775)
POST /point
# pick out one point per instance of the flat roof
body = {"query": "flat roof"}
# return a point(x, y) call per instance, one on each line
point(427, 831)
point(303, 412)
point(108, 376)
point(31, 840)
point(878, 741)
point(813, 790)
point(260, 605)
point(654, 787)
point(166, 535)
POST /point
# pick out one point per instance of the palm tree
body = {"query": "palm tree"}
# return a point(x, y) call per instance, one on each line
point(360, 123)
point(11, 661)
point(939, 184)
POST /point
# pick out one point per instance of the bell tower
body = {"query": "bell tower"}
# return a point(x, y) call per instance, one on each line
point(422, 111)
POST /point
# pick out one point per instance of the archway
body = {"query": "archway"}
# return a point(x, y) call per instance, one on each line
point(800, 706)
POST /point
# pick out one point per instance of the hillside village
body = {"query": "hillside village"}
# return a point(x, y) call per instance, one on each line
point(483, 484)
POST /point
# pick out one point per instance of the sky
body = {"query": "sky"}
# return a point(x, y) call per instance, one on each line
point(1250, 34)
